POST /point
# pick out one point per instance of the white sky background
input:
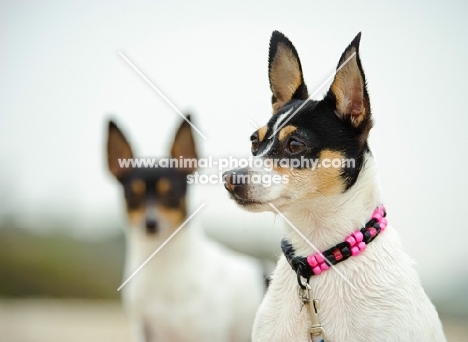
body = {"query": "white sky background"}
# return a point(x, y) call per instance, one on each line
point(61, 77)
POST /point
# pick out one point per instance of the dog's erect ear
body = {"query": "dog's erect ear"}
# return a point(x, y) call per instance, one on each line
point(284, 72)
point(349, 90)
point(184, 146)
point(117, 148)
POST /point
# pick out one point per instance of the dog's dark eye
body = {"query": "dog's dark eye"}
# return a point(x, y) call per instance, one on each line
point(295, 146)
point(255, 144)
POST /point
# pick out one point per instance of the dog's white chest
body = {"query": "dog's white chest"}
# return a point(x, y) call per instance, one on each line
point(194, 290)
point(383, 301)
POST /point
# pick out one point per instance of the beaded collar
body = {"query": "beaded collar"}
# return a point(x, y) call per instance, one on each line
point(354, 244)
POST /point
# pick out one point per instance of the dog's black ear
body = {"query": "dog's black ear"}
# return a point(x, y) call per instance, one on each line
point(184, 146)
point(117, 148)
point(284, 72)
point(349, 91)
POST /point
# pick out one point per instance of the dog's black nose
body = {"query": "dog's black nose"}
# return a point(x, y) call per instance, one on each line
point(227, 181)
point(151, 225)
point(235, 177)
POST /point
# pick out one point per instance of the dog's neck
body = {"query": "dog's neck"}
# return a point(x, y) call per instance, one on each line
point(140, 245)
point(326, 221)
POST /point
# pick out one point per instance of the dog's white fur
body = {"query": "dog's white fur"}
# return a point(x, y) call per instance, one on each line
point(192, 289)
point(386, 302)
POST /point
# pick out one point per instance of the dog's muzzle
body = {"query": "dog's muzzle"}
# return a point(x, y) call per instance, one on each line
point(235, 178)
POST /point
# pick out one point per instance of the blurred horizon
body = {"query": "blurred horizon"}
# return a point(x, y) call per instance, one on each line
point(76, 268)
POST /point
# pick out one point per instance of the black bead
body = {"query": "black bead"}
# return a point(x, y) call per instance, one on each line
point(367, 236)
point(363, 230)
point(328, 252)
point(331, 259)
point(345, 249)
point(371, 223)
point(345, 252)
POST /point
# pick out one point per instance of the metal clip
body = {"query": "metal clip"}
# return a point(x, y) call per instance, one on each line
point(316, 330)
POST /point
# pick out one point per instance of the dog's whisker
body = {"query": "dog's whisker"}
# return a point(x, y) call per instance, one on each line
point(253, 123)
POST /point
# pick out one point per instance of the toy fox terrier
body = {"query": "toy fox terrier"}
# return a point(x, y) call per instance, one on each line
point(192, 289)
point(343, 275)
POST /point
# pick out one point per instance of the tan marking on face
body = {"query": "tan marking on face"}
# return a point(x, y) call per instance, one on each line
point(285, 76)
point(138, 187)
point(312, 183)
point(285, 132)
point(329, 179)
point(163, 186)
point(136, 216)
point(261, 133)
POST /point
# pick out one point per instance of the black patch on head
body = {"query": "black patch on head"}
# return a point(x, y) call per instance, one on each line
point(170, 194)
point(320, 129)
point(151, 176)
point(319, 125)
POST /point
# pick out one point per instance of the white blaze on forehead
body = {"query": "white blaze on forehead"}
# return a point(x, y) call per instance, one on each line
point(267, 148)
point(281, 118)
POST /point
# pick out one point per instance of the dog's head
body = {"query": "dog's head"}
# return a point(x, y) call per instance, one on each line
point(155, 196)
point(311, 149)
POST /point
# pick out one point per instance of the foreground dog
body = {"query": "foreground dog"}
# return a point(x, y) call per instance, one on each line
point(373, 293)
point(192, 289)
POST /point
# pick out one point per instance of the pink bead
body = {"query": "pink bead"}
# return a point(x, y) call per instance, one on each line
point(354, 250)
point(377, 216)
point(319, 257)
point(317, 270)
point(350, 240)
point(362, 246)
point(324, 266)
point(358, 236)
point(312, 261)
point(383, 223)
point(372, 231)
